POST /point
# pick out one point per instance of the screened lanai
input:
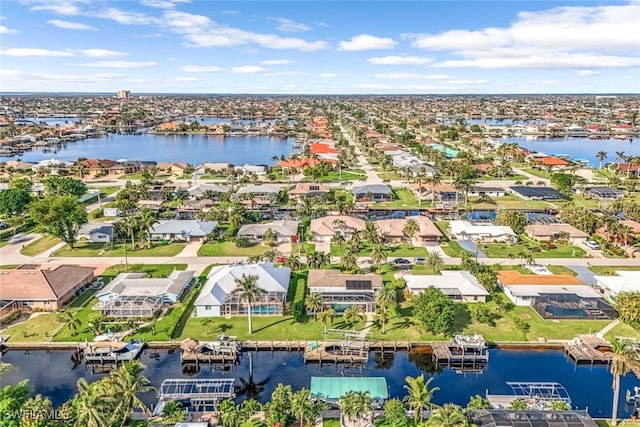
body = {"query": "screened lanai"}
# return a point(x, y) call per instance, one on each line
point(507, 418)
point(124, 307)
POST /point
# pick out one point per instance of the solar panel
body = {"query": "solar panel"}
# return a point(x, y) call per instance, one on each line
point(358, 284)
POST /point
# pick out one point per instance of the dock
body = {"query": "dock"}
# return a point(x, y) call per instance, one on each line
point(343, 347)
point(588, 349)
point(203, 395)
point(463, 352)
point(225, 351)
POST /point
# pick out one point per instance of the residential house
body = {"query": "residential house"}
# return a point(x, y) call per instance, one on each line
point(211, 191)
point(478, 191)
point(538, 193)
point(168, 289)
point(481, 232)
point(307, 190)
point(458, 285)
point(391, 229)
point(443, 196)
point(285, 230)
point(96, 232)
point(625, 281)
point(604, 194)
point(372, 193)
point(186, 230)
point(97, 166)
point(248, 169)
point(556, 232)
point(217, 297)
point(153, 205)
point(173, 168)
point(341, 291)
point(325, 228)
point(47, 289)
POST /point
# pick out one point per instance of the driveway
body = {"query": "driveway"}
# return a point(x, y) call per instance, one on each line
point(584, 274)
point(470, 246)
point(191, 250)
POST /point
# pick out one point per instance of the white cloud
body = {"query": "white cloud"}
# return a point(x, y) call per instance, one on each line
point(162, 4)
point(103, 53)
point(400, 60)
point(249, 69)
point(276, 62)
point(288, 26)
point(328, 75)
point(27, 52)
point(415, 76)
point(187, 79)
point(5, 30)
point(200, 31)
point(69, 25)
point(587, 72)
point(59, 7)
point(120, 64)
point(560, 37)
point(367, 42)
point(124, 17)
point(201, 69)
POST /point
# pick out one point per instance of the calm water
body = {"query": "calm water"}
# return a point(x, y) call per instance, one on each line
point(580, 148)
point(52, 374)
point(194, 149)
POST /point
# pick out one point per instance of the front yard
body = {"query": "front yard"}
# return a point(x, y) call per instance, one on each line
point(401, 250)
point(503, 250)
point(230, 249)
point(42, 244)
point(85, 249)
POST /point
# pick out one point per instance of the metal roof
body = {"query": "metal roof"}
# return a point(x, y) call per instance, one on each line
point(508, 418)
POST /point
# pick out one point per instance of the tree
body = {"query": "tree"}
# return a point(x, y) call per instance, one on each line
point(270, 237)
point(410, 229)
point(518, 405)
point(419, 395)
point(71, 321)
point(20, 183)
point(478, 402)
point(248, 291)
point(14, 201)
point(625, 359)
point(378, 254)
point(64, 185)
point(91, 406)
point(206, 323)
point(35, 410)
point(60, 216)
point(601, 156)
point(627, 304)
point(304, 408)
point(12, 397)
point(371, 233)
point(353, 314)
point(326, 318)
point(385, 297)
point(435, 311)
point(348, 261)
point(356, 407)
point(314, 303)
point(279, 409)
point(514, 219)
point(173, 413)
point(146, 220)
point(434, 261)
point(130, 225)
point(395, 413)
point(449, 415)
point(125, 383)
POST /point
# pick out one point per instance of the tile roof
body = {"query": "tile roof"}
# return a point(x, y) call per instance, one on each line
point(47, 284)
point(510, 278)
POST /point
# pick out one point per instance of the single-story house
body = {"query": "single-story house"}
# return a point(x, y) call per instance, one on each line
point(604, 193)
point(308, 189)
point(340, 291)
point(285, 230)
point(458, 285)
point(478, 191)
point(248, 169)
point(111, 212)
point(372, 193)
point(391, 229)
point(45, 289)
point(217, 297)
point(169, 289)
point(482, 232)
point(213, 190)
point(154, 205)
point(186, 230)
point(96, 232)
point(325, 228)
point(625, 281)
point(537, 193)
point(260, 192)
point(555, 231)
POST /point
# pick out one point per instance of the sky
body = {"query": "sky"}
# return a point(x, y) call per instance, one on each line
point(320, 47)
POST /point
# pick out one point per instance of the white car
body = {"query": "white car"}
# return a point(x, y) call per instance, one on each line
point(592, 245)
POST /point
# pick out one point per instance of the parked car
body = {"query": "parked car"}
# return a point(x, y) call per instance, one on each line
point(401, 261)
point(281, 259)
point(419, 260)
point(591, 244)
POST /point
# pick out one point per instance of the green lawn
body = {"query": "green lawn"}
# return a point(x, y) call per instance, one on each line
point(514, 202)
point(453, 249)
point(502, 250)
point(623, 330)
point(536, 172)
point(401, 250)
point(9, 266)
point(402, 198)
point(603, 270)
point(505, 178)
point(346, 175)
point(230, 249)
point(40, 245)
point(39, 328)
point(306, 247)
point(84, 249)
point(561, 269)
point(152, 270)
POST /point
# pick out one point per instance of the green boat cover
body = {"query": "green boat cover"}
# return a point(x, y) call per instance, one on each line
point(333, 388)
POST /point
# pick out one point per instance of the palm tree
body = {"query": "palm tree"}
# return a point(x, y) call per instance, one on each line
point(478, 402)
point(353, 314)
point(146, 220)
point(126, 382)
point(620, 157)
point(270, 237)
point(419, 395)
point(625, 359)
point(601, 156)
point(378, 254)
point(356, 407)
point(338, 239)
point(385, 297)
point(71, 321)
point(449, 415)
point(34, 409)
point(173, 413)
point(410, 229)
point(314, 303)
point(248, 291)
point(293, 262)
point(371, 233)
point(206, 322)
point(91, 406)
point(326, 318)
point(434, 260)
point(130, 225)
point(348, 261)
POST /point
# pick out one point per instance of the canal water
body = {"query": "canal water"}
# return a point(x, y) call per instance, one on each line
point(53, 374)
point(194, 149)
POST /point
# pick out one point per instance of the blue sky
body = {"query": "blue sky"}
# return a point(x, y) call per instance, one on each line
point(333, 47)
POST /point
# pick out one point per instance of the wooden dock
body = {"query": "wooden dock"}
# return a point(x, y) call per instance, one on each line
point(331, 352)
point(588, 349)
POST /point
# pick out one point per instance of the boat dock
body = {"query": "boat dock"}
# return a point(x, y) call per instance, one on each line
point(203, 395)
point(347, 347)
point(461, 350)
point(588, 349)
point(110, 353)
point(225, 351)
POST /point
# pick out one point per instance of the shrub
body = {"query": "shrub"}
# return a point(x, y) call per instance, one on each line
point(243, 242)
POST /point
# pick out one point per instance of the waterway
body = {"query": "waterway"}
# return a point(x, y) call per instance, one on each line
point(53, 374)
point(194, 149)
point(579, 148)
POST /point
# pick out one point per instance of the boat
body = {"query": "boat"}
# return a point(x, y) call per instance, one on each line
point(633, 397)
point(112, 351)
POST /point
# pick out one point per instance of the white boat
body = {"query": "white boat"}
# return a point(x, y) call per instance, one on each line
point(633, 397)
point(112, 351)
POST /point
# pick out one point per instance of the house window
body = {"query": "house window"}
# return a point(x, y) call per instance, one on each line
point(475, 298)
point(207, 307)
point(27, 303)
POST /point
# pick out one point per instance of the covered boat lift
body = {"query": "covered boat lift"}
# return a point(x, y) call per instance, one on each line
point(201, 394)
point(537, 395)
point(331, 389)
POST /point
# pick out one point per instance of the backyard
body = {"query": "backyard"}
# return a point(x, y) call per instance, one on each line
point(402, 198)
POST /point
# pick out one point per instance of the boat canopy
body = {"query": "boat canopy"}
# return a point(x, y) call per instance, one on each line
point(333, 388)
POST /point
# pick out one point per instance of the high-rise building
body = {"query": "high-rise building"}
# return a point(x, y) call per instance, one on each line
point(124, 94)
